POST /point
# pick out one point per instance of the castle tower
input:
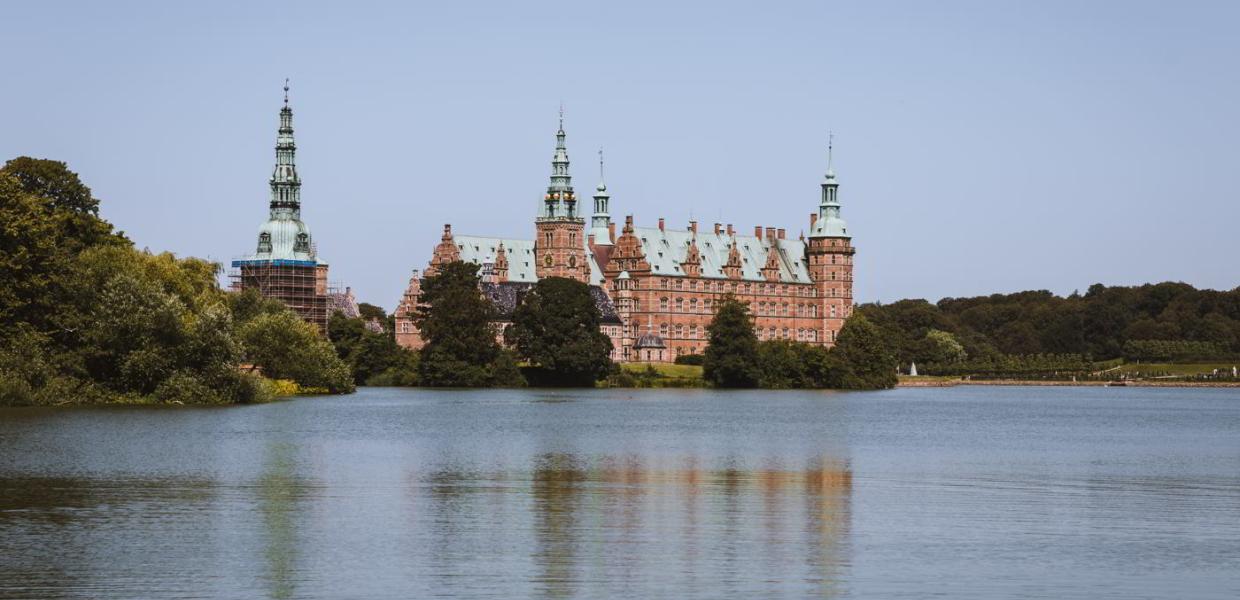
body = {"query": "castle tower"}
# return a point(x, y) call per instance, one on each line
point(830, 257)
point(559, 241)
point(600, 222)
point(285, 263)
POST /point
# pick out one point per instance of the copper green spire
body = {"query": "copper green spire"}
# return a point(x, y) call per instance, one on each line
point(600, 221)
point(829, 223)
point(559, 201)
point(285, 184)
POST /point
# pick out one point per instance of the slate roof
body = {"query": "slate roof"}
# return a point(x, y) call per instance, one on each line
point(506, 295)
point(665, 249)
point(521, 266)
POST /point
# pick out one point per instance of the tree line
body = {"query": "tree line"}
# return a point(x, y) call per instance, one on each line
point(1027, 331)
point(87, 318)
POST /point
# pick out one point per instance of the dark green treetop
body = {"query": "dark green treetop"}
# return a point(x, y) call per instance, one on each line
point(732, 352)
point(556, 329)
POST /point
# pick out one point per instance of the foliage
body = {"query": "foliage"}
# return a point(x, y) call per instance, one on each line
point(690, 359)
point(784, 364)
point(286, 347)
point(863, 359)
point(455, 321)
point(1098, 324)
point(732, 349)
point(555, 328)
point(1173, 350)
point(86, 318)
point(373, 358)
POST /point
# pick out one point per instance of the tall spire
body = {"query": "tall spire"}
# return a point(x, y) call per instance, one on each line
point(829, 223)
point(600, 221)
point(285, 184)
point(559, 201)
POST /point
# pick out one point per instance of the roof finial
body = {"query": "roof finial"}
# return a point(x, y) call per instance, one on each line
point(561, 115)
point(286, 90)
point(830, 149)
point(600, 165)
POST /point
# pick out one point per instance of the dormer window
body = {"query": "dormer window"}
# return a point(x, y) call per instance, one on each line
point(264, 242)
point(302, 244)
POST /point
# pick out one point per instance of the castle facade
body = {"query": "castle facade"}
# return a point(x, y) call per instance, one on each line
point(657, 287)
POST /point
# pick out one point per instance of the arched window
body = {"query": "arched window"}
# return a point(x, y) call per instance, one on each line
point(663, 304)
point(786, 333)
point(680, 305)
point(833, 311)
point(663, 330)
point(548, 236)
point(693, 305)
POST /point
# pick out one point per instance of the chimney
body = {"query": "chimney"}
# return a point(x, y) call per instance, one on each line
point(781, 233)
point(757, 231)
point(813, 218)
point(693, 226)
point(611, 232)
point(770, 233)
point(590, 241)
point(660, 223)
point(717, 226)
point(729, 230)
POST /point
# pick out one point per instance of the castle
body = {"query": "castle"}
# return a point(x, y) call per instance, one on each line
point(657, 287)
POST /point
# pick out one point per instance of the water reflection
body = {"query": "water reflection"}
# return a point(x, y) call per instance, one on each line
point(622, 525)
point(280, 492)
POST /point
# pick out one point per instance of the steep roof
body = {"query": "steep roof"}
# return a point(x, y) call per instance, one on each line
point(521, 265)
point(665, 249)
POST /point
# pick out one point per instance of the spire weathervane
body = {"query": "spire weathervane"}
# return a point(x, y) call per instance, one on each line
point(830, 153)
point(601, 178)
point(561, 115)
point(286, 90)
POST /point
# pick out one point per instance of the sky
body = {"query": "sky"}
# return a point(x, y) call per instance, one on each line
point(981, 147)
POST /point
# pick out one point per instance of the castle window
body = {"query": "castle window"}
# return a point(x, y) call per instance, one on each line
point(663, 304)
point(663, 331)
point(785, 310)
point(833, 312)
point(680, 305)
point(706, 305)
point(693, 305)
point(548, 236)
point(786, 334)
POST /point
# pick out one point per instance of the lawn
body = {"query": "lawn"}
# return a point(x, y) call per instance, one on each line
point(666, 370)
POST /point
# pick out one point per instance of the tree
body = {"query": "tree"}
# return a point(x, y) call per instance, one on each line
point(863, 358)
point(555, 329)
point(941, 347)
point(456, 322)
point(784, 364)
point(373, 358)
point(732, 348)
point(286, 347)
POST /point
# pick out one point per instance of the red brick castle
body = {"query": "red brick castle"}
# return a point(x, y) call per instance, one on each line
point(657, 287)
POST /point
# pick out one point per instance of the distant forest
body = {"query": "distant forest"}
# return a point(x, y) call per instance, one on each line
point(1165, 322)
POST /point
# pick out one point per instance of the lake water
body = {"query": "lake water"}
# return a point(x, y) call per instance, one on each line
point(968, 492)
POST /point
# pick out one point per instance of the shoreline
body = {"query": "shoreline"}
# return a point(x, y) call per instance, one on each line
point(1042, 383)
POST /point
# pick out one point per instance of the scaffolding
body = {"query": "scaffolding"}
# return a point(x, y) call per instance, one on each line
point(300, 284)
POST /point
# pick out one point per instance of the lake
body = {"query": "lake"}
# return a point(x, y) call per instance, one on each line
point(965, 492)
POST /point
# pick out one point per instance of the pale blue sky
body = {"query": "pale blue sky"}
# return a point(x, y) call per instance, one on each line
point(981, 146)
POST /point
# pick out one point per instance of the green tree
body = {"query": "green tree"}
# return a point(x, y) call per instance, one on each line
point(941, 347)
point(784, 364)
point(286, 347)
point(555, 329)
point(864, 360)
point(732, 347)
point(373, 358)
point(456, 323)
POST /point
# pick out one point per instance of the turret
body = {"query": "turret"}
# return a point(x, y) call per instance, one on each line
point(284, 236)
point(600, 222)
point(830, 258)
